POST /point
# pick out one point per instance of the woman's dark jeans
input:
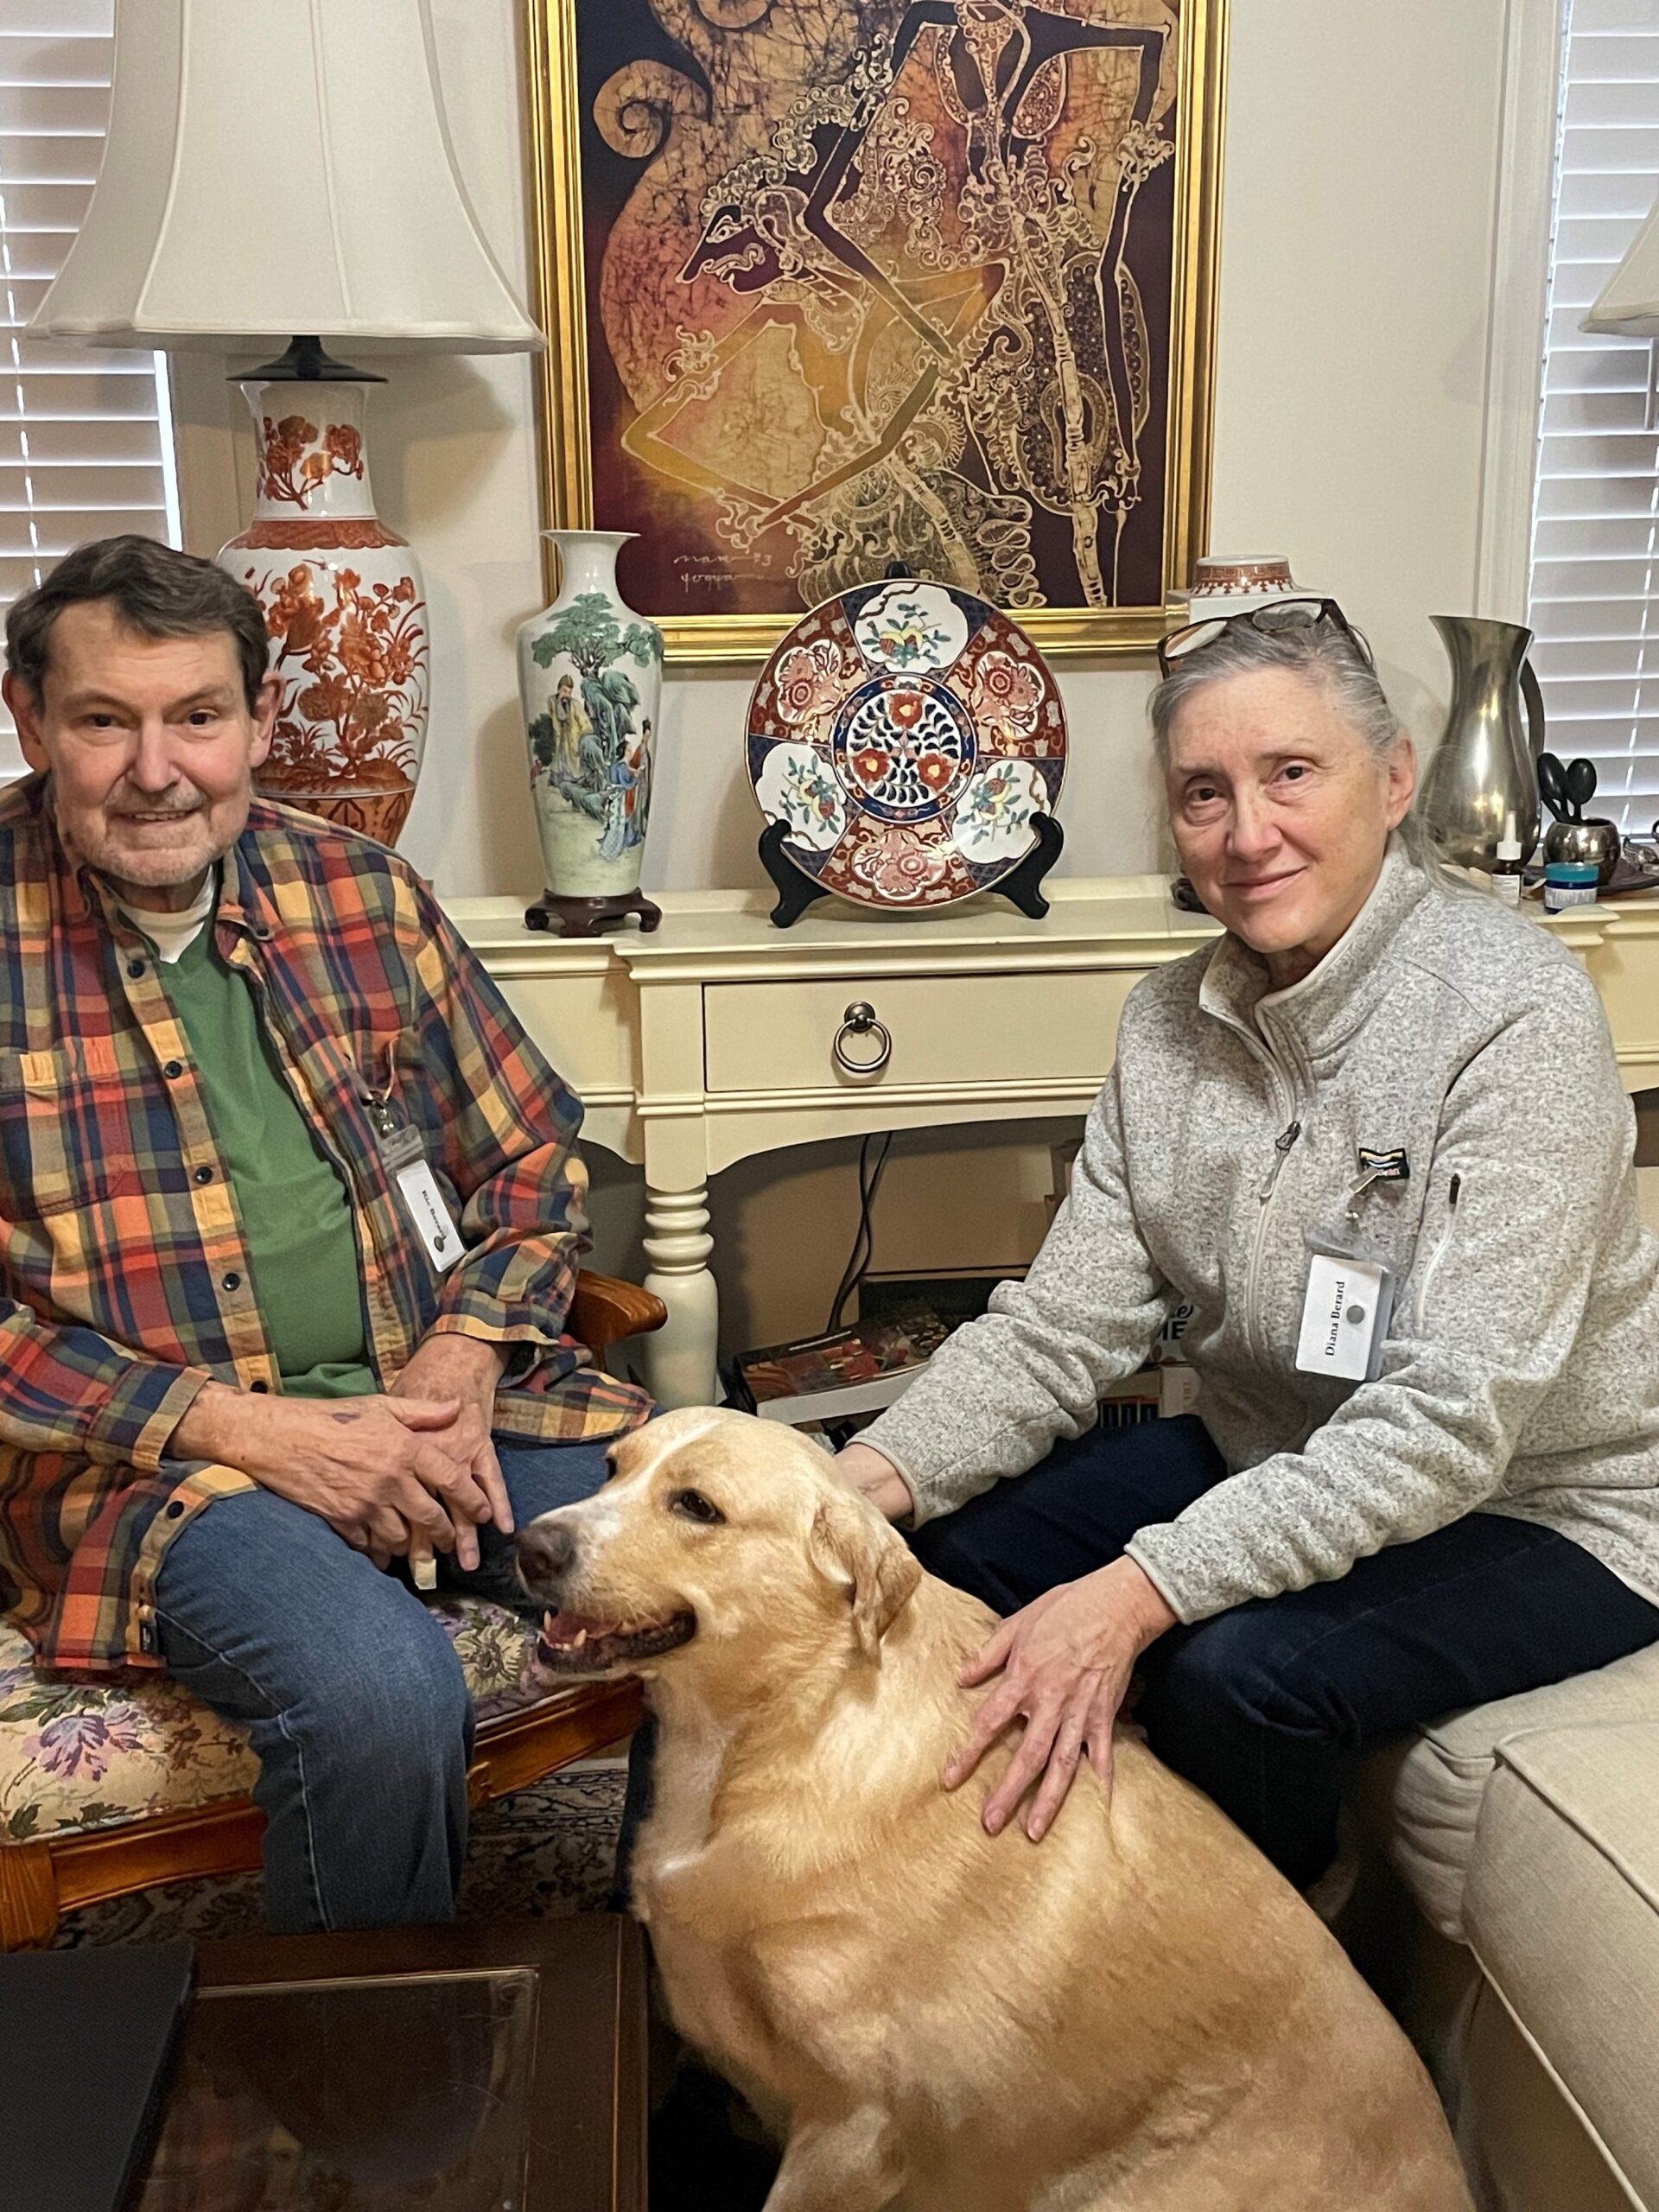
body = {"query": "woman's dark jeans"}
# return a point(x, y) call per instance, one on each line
point(1266, 1708)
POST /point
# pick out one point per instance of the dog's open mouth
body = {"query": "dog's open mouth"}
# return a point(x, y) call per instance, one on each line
point(573, 1644)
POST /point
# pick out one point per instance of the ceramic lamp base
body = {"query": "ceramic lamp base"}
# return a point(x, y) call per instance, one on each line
point(343, 600)
point(562, 917)
point(379, 814)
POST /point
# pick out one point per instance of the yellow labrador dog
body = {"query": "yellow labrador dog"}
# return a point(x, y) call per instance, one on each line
point(1136, 2013)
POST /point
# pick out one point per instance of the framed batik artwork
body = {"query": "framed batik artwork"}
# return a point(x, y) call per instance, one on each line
point(841, 288)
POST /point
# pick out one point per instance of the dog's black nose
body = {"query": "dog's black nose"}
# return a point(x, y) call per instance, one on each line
point(546, 1551)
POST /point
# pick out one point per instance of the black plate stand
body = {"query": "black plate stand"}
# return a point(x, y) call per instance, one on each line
point(795, 889)
point(1021, 887)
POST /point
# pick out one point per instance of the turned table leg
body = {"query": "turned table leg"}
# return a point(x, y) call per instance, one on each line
point(680, 1357)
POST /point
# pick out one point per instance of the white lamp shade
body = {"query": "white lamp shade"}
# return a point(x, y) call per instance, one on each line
point(1628, 304)
point(276, 167)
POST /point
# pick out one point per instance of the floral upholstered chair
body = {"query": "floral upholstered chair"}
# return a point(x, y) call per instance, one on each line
point(107, 1789)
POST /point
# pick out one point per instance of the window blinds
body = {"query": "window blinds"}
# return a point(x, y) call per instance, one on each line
point(1595, 550)
point(85, 437)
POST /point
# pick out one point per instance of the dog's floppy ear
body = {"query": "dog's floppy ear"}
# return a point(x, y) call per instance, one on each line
point(855, 1547)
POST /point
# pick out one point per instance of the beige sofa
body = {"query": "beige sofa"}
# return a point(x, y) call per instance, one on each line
point(1512, 1917)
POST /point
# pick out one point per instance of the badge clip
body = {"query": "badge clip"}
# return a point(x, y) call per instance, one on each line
point(403, 1150)
point(1349, 1296)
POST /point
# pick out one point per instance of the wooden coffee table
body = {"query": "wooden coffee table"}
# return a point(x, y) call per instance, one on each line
point(480, 2070)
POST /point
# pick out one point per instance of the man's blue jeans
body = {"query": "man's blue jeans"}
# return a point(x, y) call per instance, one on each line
point(350, 1689)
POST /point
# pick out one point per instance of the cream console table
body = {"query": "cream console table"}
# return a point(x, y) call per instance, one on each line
point(719, 1037)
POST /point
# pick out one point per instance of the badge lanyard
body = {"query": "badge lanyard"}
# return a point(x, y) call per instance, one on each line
point(405, 1154)
point(1349, 1295)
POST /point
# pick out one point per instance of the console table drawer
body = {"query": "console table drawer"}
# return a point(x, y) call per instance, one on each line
point(960, 1029)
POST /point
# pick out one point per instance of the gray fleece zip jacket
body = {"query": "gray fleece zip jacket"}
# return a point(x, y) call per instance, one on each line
point(1521, 1370)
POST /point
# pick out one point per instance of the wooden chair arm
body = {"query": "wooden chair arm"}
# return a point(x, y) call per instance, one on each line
point(604, 1310)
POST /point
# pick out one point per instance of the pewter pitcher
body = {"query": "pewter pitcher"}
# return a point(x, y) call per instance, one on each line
point(1486, 767)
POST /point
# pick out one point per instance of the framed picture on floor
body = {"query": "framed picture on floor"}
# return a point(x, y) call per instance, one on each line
point(834, 286)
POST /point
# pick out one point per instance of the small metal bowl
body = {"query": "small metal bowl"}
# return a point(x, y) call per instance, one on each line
point(1596, 842)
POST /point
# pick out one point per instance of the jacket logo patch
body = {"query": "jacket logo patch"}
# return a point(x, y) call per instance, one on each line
point(1384, 1166)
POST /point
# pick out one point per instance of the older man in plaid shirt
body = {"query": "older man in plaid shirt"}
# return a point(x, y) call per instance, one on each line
point(289, 1219)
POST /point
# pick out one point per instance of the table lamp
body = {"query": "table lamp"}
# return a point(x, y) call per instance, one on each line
point(1627, 304)
point(278, 173)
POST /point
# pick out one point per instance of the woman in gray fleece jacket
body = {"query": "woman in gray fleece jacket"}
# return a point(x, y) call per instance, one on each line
point(1372, 1065)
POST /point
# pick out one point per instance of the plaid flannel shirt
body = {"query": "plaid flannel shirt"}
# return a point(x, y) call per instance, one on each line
point(125, 1277)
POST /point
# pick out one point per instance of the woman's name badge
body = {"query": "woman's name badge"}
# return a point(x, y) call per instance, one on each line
point(1344, 1317)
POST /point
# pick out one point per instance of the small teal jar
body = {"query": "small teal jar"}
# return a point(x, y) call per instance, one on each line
point(1570, 883)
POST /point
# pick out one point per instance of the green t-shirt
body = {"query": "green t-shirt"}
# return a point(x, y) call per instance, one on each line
point(295, 1211)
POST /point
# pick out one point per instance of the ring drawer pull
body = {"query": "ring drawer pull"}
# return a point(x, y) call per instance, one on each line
point(860, 1020)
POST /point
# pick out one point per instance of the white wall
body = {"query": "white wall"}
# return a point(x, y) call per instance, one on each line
point(1361, 167)
point(1360, 186)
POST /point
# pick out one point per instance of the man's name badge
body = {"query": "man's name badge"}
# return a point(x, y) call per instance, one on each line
point(1344, 1317)
point(436, 1225)
point(427, 1210)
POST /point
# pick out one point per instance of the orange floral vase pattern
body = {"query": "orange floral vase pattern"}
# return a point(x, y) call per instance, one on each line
point(295, 457)
point(353, 658)
point(343, 602)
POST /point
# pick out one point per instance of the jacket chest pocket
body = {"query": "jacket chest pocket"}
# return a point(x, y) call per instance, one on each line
point(75, 1131)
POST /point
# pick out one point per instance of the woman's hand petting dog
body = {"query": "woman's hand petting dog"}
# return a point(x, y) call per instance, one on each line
point(1065, 1662)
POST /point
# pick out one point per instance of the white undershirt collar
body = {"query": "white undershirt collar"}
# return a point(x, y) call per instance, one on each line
point(174, 933)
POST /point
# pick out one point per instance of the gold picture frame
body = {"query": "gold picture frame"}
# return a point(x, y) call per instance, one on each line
point(566, 427)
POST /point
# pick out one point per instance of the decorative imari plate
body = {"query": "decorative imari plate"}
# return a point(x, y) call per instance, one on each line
point(905, 734)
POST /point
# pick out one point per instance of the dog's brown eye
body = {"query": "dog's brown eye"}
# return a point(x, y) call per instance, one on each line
point(695, 1506)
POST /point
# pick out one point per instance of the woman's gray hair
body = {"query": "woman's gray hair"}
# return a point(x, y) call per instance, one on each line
point(1320, 652)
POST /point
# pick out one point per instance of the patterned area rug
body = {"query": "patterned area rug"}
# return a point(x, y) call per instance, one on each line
point(543, 1851)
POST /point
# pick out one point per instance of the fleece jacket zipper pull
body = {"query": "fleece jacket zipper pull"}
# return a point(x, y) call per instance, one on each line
point(1282, 1150)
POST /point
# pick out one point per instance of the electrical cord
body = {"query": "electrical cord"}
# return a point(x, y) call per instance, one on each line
point(870, 1172)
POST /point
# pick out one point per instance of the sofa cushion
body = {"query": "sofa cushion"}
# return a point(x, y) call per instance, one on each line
point(79, 1757)
point(1422, 1797)
point(1561, 1908)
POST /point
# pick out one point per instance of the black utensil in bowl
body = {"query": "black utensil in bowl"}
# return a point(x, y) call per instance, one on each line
point(1580, 785)
point(1551, 786)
